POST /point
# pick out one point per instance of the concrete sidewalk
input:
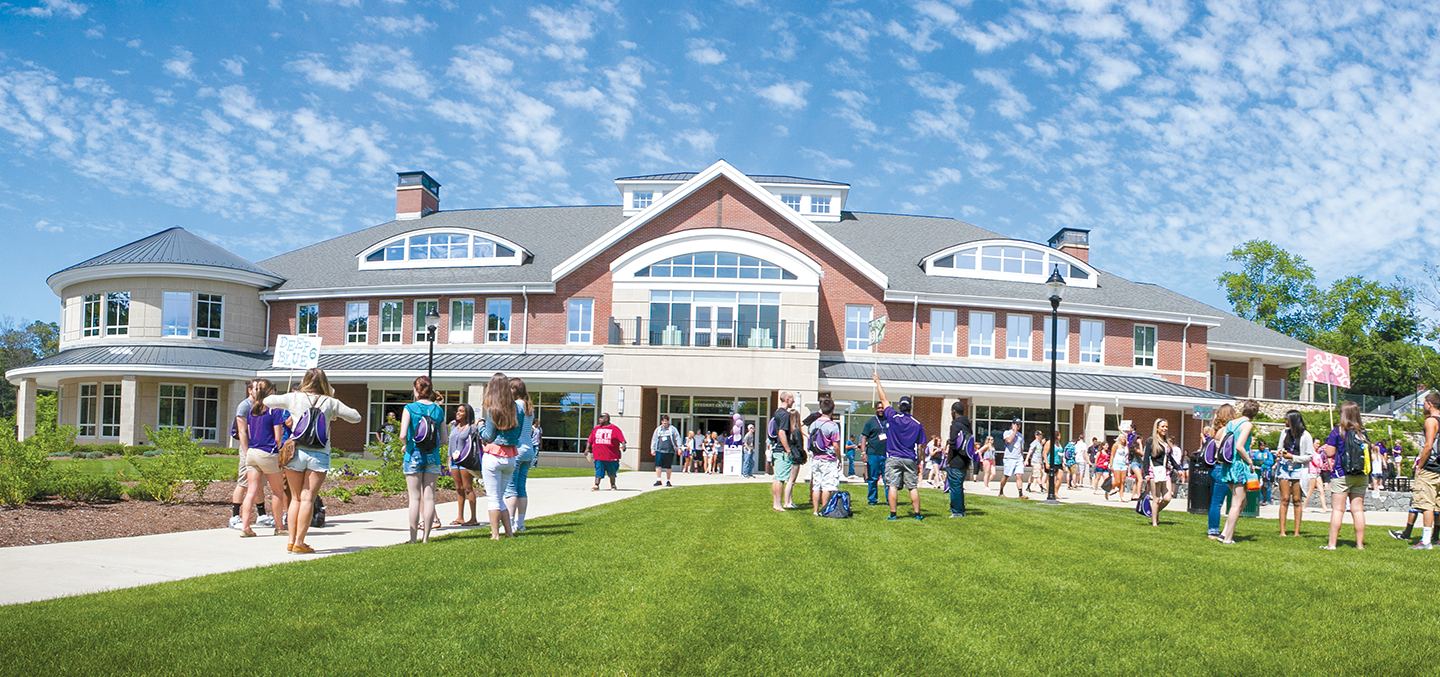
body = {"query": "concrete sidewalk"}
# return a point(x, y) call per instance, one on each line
point(37, 572)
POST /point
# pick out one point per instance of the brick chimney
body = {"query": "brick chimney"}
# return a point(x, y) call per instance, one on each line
point(1072, 241)
point(416, 195)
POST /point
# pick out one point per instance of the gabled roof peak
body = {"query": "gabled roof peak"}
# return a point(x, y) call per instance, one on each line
point(762, 179)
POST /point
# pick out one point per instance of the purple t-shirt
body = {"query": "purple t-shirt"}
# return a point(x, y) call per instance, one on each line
point(1337, 440)
point(262, 429)
point(902, 434)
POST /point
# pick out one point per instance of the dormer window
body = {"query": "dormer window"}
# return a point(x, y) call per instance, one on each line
point(819, 205)
point(1009, 260)
point(717, 265)
point(791, 201)
point(441, 249)
point(641, 200)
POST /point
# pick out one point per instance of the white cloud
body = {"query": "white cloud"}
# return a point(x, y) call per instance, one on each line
point(704, 52)
point(394, 25)
point(236, 66)
point(395, 68)
point(237, 102)
point(95, 32)
point(179, 66)
point(786, 95)
point(824, 162)
point(46, 227)
point(614, 104)
point(1011, 103)
point(935, 179)
point(701, 140)
point(852, 104)
point(49, 8)
point(566, 28)
point(850, 29)
point(1110, 72)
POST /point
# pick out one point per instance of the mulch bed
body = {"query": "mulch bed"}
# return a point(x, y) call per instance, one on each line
point(60, 521)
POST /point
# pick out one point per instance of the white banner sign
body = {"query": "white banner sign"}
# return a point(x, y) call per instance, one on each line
point(296, 352)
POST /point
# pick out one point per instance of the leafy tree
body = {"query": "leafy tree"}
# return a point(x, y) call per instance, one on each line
point(1274, 288)
point(19, 346)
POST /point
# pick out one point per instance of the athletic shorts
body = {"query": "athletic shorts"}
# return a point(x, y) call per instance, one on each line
point(1353, 485)
point(901, 473)
point(664, 460)
point(782, 467)
point(266, 462)
point(825, 475)
point(1014, 465)
point(1425, 488)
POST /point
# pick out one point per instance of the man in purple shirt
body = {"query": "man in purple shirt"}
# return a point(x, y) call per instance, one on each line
point(903, 438)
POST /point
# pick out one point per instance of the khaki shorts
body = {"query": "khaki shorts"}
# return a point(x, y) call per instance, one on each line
point(1353, 485)
point(244, 479)
point(264, 461)
point(901, 473)
point(1425, 488)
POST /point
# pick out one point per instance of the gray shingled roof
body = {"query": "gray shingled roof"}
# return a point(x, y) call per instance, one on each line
point(175, 246)
point(963, 375)
point(757, 178)
point(507, 362)
point(159, 356)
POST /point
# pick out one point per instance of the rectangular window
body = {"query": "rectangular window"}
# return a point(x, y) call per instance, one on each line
point(175, 314)
point(117, 314)
point(392, 317)
point(89, 399)
point(1092, 341)
point(982, 334)
point(497, 321)
point(1017, 337)
point(791, 201)
point(205, 424)
point(172, 406)
point(642, 200)
point(209, 312)
point(307, 319)
point(90, 315)
point(423, 308)
point(357, 322)
point(942, 332)
point(462, 321)
point(1144, 345)
point(819, 205)
point(1064, 339)
point(110, 410)
point(580, 321)
point(857, 327)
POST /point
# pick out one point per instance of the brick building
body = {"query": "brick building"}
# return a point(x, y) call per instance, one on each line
point(701, 295)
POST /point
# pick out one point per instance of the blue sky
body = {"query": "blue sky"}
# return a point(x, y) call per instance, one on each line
point(1173, 130)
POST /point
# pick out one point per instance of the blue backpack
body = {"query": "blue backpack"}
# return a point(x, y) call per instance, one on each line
point(838, 507)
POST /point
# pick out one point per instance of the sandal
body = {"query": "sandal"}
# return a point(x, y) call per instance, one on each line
point(301, 549)
point(458, 523)
point(248, 534)
point(282, 532)
point(471, 523)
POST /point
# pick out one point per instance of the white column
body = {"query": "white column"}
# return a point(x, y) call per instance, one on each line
point(236, 395)
point(25, 408)
point(130, 428)
point(1094, 421)
point(1257, 377)
point(946, 417)
point(1307, 391)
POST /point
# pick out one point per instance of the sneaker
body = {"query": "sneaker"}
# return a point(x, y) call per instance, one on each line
point(1397, 534)
point(791, 506)
point(1232, 542)
point(891, 518)
point(1422, 546)
point(667, 484)
point(265, 521)
point(873, 503)
point(918, 517)
point(1327, 547)
point(235, 523)
point(657, 483)
point(520, 529)
point(957, 514)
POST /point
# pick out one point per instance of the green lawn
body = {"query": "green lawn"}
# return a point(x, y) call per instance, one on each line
point(226, 467)
point(710, 581)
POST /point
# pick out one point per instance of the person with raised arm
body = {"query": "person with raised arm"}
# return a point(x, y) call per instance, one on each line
point(312, 409)
point(904, 437)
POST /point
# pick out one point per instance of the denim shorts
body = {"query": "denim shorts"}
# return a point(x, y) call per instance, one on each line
point(516, 488)
point(603, 468)
point(416, 463)
point(313, 461)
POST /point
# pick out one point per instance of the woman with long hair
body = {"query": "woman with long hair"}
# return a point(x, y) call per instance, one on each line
point(987, 458)
point(516, 498)
point(687, 451)
point(460, 430)
point(1347, 487)
point(1241, 470)
point(1102, 466)
point(1294, 452)
point(1119, 468)
point(306, 471)
point(1219, 488)
point(1157, 457)
point(505, 426)
point(422, 423)
point(1318, 485)
point(261, 448)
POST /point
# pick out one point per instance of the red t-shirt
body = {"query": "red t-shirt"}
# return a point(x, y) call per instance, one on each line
point(605, 441)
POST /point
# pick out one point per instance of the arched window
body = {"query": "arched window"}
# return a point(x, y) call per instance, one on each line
point(717, 265)
point(1009, 260)
point(441, 249)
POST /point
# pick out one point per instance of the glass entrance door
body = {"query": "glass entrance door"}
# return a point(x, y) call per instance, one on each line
point(714, 319)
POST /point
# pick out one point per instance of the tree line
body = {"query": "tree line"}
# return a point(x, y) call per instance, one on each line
point(21, 344)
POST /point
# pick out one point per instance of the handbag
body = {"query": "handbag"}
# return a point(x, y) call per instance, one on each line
point(287, 452)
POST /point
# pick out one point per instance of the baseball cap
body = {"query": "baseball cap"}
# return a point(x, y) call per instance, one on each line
point(1016, 420)
point(904, 400)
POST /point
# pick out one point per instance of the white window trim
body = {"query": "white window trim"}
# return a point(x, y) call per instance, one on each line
point(400, 334)
point(587, 331)
point(1062, 348)
point(419, 333)
point(99, 329)
point(866, 338)
point(220, 418)
point(195, 307)
point(510, 324)
point(971, 335)
point(158, 398)
point(954, 331)
point(799, 200)
point(1028, 345)
point(366, 340)
point(521, 254)
point(80, 408)
point(1135, 348)
point(807, 271)
point(190, 329)
point(105, 317)
point(930, 269)
point(100, 411)
point(298, 331)
point(450, 323)
point(1080, 355)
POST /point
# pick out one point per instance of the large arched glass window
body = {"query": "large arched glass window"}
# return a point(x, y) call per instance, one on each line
point(452, 248)
point(1009, 260)
point(716, 265)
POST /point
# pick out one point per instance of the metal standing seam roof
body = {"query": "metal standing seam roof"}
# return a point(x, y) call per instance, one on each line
point(587, 363)
point(173, 246)
point(1015, 378)
point(155, 356)
point(757, 178)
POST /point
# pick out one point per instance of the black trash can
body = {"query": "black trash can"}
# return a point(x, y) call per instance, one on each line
point(1201, 484)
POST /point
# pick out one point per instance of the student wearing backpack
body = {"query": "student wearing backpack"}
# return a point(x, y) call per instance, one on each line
point(260, 448)
point(874, 435)
point(825, 460)
point(1295, 450)
point(312, 408)
point(959, 457)
point(463, 433)
point(507, 427)
point(785, 441)
point(1426, 487)
point(421, 422)
point(904, 437)
point(1157, 455)
point(1241, 468)
point(517, 497)
point(1348, 448)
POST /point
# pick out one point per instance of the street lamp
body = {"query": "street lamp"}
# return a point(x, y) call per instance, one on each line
point(432, 322)
point(1057, 285)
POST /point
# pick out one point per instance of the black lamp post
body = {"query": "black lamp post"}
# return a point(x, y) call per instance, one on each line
point(1056, 284)
point(432, 322)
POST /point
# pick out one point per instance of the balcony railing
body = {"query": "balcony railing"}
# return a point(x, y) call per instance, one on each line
point(639, 331)
point(1265, 389)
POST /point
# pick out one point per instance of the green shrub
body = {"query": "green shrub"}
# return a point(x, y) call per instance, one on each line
point(345, 495)
point(365, 489)
point(142, 492)
point(354, 457)
point(152, 453)
point(390, 480)
point(445, 482)
point(86, 488)
point(24, 469)
point(162, 475)
point(95, 455)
